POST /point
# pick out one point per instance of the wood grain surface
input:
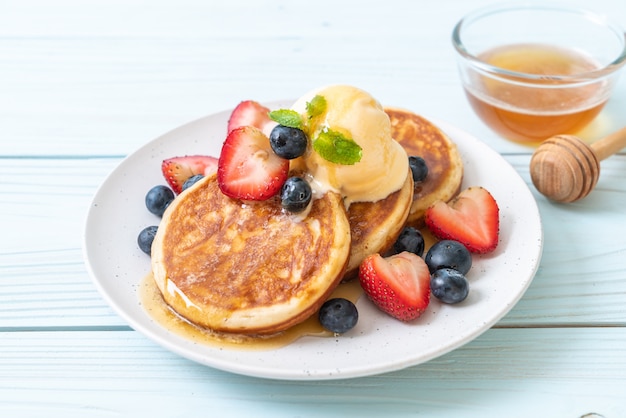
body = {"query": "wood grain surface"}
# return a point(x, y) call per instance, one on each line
point(83, 84)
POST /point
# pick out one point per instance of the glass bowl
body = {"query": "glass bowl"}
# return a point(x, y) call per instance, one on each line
point(534, 70)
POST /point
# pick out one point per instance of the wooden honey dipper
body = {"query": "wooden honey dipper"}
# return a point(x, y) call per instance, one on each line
point(565, 169)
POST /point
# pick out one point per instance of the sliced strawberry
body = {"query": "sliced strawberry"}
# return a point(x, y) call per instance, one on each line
point(472, 218)
point(178, 169)
point(248, 169)
point(251, 113)
point(399, 284)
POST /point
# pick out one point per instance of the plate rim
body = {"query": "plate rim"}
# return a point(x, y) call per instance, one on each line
point(322, 374)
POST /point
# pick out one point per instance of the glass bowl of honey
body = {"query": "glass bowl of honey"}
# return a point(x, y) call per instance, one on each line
point(534, 70)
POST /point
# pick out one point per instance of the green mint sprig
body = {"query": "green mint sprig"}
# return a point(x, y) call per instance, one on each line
point(332, 146)
point(287, 117)
point(316, 107)
point(335, 147)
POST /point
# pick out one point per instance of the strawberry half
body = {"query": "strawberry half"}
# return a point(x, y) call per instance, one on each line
point(251, 113)
point(399, 284)
point(248, 168)
point(177, 170)
point(472, 218)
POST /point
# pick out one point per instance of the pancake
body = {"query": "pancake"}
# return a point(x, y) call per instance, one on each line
point(420, 137)
point(251, 268)
point(248, 268)
point(375, 226)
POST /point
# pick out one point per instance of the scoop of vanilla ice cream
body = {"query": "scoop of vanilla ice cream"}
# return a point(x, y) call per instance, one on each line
point(383, 167)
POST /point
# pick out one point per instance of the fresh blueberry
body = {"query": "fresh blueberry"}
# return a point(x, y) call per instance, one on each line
point(145, 238)
point(449, 285)
point(295, 194)
point(411, 240)
point(158, 199)
point(288, 143)
point(338, 315)
point(419, 169)
point(191, 181)
point(448, 253)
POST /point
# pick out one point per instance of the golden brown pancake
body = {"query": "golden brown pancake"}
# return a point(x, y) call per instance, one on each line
point(422, 138)
point(251, 268)
point(248, 268)
point(375, 226)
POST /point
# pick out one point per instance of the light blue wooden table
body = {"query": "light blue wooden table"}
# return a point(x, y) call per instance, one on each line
point(84, 83)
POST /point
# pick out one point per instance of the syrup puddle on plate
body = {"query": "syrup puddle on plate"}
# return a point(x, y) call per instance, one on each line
point(154, 305)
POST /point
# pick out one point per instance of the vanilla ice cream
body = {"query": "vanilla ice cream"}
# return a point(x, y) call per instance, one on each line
point(354, 113)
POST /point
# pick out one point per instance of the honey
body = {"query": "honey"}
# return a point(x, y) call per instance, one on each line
point(530, 111)
point(154, 305)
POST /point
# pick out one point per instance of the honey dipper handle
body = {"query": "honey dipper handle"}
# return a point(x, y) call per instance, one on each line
point(610, 144)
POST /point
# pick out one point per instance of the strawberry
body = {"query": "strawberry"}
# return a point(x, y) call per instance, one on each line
point(178, 169)
point(248, 168)
point(251, 113)
point(472, 218)
point(399, 284)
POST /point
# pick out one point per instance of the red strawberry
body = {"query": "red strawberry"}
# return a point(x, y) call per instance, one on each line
point(472, 218)
point(251, 113)
point(178, 169)
point(248, 168)
point(399, 284)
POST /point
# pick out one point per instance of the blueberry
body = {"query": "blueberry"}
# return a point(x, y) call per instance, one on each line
point(295, 194)
point(449, 285)
point(338, 315)
point(448, 253)
point(419, 169)
point(158, 199)
point(411, 240)
point(191, 181)
point(145, 238)
point(288, 143)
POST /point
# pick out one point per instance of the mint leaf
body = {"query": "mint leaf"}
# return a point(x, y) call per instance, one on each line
point(286, 117)
point(316, 106)
point(335, 147)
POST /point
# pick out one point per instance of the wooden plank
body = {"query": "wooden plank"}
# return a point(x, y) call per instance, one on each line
point(584, 261)
point(45, 282)
point(76, 79)
point(84, 83)
point(512, 373)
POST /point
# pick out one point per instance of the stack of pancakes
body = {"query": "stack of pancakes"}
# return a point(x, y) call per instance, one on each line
point(250, 268)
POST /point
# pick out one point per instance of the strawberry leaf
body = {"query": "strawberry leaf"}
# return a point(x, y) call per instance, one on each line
point(286, 117)
point(335, 147)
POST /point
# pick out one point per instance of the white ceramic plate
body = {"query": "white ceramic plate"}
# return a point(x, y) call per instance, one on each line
point(378, 343)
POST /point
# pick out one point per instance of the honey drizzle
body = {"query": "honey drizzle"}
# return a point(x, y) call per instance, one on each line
point(154, 305)
point(527, 115)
